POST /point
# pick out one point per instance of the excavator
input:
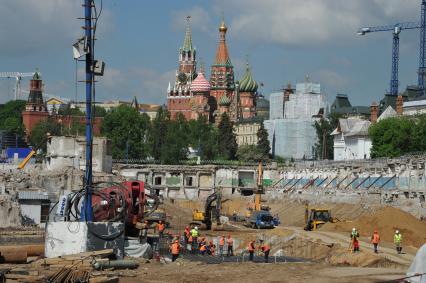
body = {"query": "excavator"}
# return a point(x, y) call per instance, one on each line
point(260, 216)
point(316, 217)
point(210, 217)
point(33, 152)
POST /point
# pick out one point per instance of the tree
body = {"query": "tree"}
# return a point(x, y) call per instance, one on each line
point(41, 130)
point(157, 133)
point(128, 131)
point(393, 137)
point(99, 111)
point(227, 144)
point(249, 153)
point(324, 128)
point(263, 146)
point(67, 110)
point(11, 117)
point(175, 147)
point(203, 136)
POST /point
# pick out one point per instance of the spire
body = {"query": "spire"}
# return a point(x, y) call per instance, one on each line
point(187, 42)
point(222, 55)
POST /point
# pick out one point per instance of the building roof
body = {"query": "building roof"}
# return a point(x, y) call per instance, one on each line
point(200, 84)
point(222, 54)
point(247, 83)
point(262, 103)
point(341, 101)
point(32, 195)
point(352, 127)
point(187, 42)
point(388, 113)
point(342, 105)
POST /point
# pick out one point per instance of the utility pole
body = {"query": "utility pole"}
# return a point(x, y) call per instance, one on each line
point(88, 211)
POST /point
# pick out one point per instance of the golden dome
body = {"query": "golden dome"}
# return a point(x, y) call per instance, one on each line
point(223, 27)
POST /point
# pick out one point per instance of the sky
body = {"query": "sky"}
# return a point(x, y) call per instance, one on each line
point(283, 40)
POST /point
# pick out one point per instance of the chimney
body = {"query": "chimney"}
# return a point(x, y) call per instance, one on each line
point(374, 110)
point(399, 105)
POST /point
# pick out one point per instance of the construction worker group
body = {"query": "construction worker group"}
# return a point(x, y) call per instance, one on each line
point(375, 240)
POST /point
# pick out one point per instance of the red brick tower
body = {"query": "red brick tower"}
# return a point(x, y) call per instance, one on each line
point(179, 97)
point(247, 90)
point(35, 109)
point(222, 74)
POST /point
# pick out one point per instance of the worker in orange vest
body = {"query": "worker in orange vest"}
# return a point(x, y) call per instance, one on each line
point(251, 249)
point(265, 249)
point(203, 248)
point(161, 228)
point(375, 240)
point(189, 246)
point(174, 249)
point(221, 244)
point(230, 244)
point(212, 248)
point(187, 234)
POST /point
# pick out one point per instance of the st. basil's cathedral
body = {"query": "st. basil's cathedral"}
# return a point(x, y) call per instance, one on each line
point(193, 95)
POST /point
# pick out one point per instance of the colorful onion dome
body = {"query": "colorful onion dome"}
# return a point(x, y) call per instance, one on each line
point(224, 100)
point(247, 83)
point(200, 84)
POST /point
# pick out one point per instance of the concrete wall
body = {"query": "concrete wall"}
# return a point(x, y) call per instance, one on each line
point(32, 209)
point(63, 152)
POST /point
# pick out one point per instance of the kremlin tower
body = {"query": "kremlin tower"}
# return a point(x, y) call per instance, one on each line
point(247, 94)
point(200, 91)
point(35, 108)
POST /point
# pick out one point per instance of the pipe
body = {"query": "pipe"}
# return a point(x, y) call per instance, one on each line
point(378, 178)
point(31, 250)
point(14, 257)
point(310, 183)
point(341, 181)
point(322, 182)
point(359, 185)
point(353, 180)
point(116, 264)
point(330, 182)
point(294, 184)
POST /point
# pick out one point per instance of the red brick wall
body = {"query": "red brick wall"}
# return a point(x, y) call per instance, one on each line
point(31, 118)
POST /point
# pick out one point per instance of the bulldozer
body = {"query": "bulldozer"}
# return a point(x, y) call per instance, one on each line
point(316, 217)
point(210, 217)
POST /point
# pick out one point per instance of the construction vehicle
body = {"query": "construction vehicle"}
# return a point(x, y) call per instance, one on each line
point(260, 216)
point(33, 152)
point(211, 213)
point(315, 217)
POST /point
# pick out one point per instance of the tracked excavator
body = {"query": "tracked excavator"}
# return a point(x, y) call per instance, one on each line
point(210, 217)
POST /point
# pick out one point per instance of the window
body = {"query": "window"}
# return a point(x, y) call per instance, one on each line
point(189, 181)
point(157, 181)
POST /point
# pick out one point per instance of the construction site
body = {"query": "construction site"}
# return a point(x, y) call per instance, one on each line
point(69, 212)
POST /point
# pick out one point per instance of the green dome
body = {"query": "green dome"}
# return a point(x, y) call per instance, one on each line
point(247, 83)
point(224, 100)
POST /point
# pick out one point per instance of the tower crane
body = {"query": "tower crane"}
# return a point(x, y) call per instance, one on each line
point(18, 77)
point(396, 30)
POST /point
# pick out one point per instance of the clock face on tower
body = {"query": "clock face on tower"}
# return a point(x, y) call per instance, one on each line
point(182, 78)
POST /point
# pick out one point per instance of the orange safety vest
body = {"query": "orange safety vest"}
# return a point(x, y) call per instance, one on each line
point(175, 248)
point(376, 238)
point(190, 240)
point(251, 247)
point(230, 241)
point(222, 241)
point(203, 248)
point(265, 248)
point(187, 232)
point(161, 227)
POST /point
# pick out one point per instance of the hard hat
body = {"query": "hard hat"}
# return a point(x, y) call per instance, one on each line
point(375, 231)
point(196, 228)
point(396, 232)
point(353, 229)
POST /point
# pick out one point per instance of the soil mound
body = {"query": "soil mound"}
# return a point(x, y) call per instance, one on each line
point(386, 221)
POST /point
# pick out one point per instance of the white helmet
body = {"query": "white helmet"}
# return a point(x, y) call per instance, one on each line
point(196, 228)
point(353, 229)
point(396, 232)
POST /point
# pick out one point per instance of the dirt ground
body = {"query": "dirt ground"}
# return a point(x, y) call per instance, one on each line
point(248, 272)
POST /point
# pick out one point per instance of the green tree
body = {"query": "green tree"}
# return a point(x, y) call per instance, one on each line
point(74, 129)
point(263, 146)
point(67, 110)
point(175, 147)
point(227, 144)
point(250, 153)
point(393, 137)
point(128, 131)
point(323, 128)
point(41, 130)
point(157, 133)
point(203, 136)
point(11, 117)
point(99, 111)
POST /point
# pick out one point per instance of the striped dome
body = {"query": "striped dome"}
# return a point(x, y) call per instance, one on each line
point(224, 100)
point(200, 84)
point(247, 83)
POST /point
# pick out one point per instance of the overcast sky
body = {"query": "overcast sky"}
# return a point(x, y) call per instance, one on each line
point(283, 39)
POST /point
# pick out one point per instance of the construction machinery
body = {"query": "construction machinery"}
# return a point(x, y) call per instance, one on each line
point(33, 152)
point(18, 77)
point(211, 214)
point(315, 217)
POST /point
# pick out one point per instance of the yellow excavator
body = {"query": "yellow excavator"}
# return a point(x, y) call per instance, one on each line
point(210, 217)
point(316, 217)
point(33, 152)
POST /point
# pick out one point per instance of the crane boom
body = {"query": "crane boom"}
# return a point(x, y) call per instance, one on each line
point(396, 30)
point(18, 77)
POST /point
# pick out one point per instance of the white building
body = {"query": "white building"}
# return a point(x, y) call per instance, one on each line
point(290, 127)
point(414, 107)
point(351, 139)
